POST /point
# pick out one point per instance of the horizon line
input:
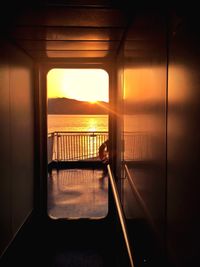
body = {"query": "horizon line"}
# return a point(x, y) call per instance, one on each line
point(96, 101)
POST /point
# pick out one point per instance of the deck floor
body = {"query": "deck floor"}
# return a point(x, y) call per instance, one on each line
point(77, 193)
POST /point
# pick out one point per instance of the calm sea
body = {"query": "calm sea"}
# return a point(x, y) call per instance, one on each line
point(77, 123)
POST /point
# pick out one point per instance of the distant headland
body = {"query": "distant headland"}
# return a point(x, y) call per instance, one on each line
point(71, 106)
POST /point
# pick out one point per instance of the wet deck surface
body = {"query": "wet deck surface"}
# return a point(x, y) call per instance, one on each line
point(77, 193)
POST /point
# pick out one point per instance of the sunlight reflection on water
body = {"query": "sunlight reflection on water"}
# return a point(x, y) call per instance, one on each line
point(77, 123)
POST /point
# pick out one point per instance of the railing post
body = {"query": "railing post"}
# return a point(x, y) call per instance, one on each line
point(57, 147)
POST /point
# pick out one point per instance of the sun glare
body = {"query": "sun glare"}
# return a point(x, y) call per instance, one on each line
point(81, 84)
point(93, 101)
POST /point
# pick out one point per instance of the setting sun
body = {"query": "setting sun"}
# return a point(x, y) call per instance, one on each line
point(81, 84)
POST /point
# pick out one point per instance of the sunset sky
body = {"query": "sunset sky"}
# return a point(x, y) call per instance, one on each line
point(81, 84)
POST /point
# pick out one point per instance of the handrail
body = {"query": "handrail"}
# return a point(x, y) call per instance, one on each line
point(121, 214)
point(138, 196)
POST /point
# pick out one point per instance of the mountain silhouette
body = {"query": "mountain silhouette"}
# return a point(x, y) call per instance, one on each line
point(72, 106)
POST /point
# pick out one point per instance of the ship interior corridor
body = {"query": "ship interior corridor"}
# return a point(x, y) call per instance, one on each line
point(141, 207)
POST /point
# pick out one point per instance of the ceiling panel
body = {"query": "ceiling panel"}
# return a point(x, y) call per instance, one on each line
point(67, 45)
point(66, 33)
point(70, 29)
point(71, 54)
point(76, 17)
point(97, 3)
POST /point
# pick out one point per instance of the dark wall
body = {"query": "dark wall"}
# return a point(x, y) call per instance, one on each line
point(144, 115)
point(161, 61)
point(16, 109)
point(183, 138)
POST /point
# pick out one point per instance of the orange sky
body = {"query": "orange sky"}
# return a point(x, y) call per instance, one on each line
point(81, 84)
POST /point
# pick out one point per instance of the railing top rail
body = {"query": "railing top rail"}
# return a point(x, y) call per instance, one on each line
point(95, 132)
point(80, 132)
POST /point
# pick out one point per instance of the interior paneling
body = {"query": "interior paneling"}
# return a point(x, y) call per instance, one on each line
point(183, 139)
point(5, 181)
point(16, 142)
point(145, 117)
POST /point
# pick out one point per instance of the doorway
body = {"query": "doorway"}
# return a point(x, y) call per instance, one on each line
point(77, 123)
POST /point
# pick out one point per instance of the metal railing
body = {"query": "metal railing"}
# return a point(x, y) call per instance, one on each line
point(120, 214)
point(73, 146)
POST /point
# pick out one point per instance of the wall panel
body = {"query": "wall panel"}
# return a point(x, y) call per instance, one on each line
point(145, 112)
point(17, 141)
point(5, 181)
point(184, 139)
point(143, 60)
